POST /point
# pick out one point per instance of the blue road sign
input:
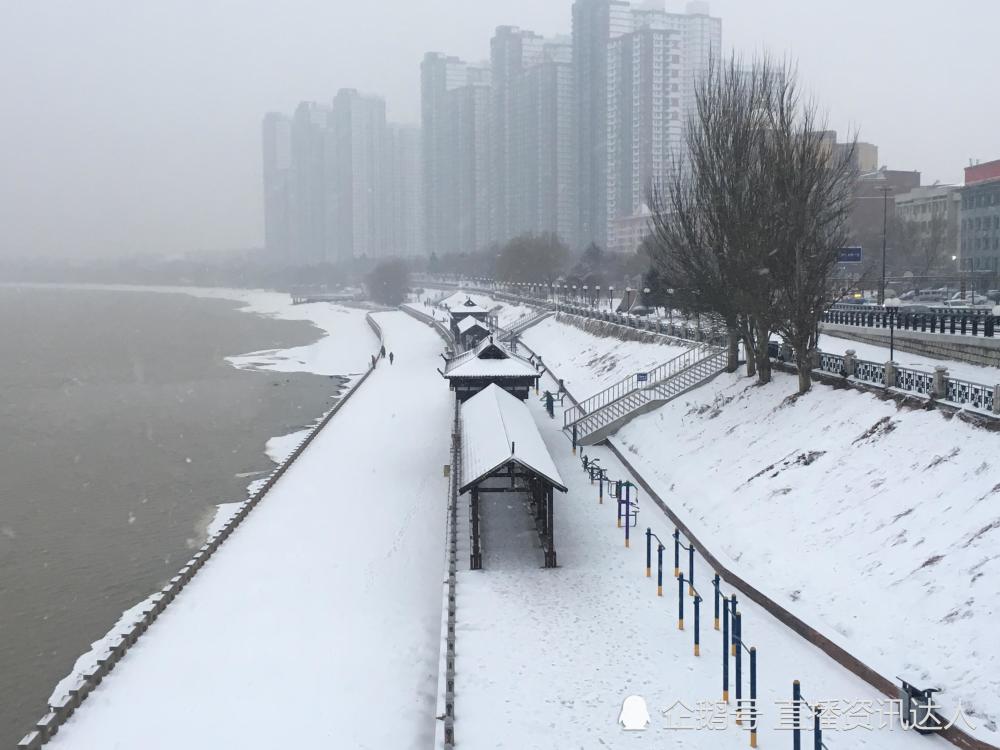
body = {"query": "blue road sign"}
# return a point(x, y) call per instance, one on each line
point(849, 254)
point(641, 377)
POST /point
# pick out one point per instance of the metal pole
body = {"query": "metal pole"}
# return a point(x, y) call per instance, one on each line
point(716, 582)
point(659, 570)
point(753, 696)
point(885, 220)
point(691, 570)
point(680, 603)
point(796, 728)
point(733, 642)
point(739, 664)
point(817, 729)
point(725, 655)
point(649, 552)
point(697, 626)
point(892, 334)
point(677, 553)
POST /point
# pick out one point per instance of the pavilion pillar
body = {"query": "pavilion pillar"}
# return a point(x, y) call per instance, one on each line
point(475, 556)
point(550, 547)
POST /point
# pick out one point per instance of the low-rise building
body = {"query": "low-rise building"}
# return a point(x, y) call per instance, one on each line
point(979, 218)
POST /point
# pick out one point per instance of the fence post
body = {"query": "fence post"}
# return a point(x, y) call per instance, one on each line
point(680, 603)
point(627, 523)
point(850, 362)
point(649, 552)
point(691, 570)
point(716, 583)
point(659, 569)
point(753, 696)
point(890, 374)
point(677, 553)
point(796, 726)
point(725, 654)
point(697, 625)
point(939, 388)
point(817, 729)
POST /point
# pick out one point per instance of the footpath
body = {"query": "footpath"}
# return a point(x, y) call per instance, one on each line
point(318, 623)
point(547, 657)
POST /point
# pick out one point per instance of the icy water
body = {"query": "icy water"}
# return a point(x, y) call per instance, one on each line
point(121, 426)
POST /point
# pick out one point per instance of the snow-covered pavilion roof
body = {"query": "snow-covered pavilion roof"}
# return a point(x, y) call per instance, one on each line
point(488, 359)
point(498, 428)
point(466, 323)
point(467, 308)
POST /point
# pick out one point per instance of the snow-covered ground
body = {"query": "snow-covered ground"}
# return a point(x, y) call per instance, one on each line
point(961, 370)
point(317, 623)
point(873, 524)
point(546, 657)
point(591, 363)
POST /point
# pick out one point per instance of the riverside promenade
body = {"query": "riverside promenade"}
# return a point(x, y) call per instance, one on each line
point(318, 622)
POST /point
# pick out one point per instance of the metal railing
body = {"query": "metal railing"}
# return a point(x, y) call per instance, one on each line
point(636, 381)
point(964, 323)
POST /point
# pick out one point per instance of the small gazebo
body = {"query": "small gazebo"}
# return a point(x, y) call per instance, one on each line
point(468, 309)
point(471, 331)
point(490, 363)
point(503, 451)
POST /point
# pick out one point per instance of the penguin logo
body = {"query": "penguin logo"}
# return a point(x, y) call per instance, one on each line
point(634, 716)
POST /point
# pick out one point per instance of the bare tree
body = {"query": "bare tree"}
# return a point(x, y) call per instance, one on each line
point(750, 228)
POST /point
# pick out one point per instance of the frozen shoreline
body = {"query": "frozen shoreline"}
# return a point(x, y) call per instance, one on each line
point(342, 356)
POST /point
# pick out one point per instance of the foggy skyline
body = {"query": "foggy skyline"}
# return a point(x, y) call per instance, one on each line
point(132, 128)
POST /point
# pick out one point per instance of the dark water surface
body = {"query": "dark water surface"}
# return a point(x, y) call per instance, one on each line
point(121, 425)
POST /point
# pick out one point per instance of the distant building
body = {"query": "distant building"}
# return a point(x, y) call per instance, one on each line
point(627, 233)
point(933, 210)
point(468, 186)
point(403, 195)
point(339, 184)
point(979, 218)
point(439, 74)
point(872, 204)
point(633, 61)
point(276, 137)
point(357, 180)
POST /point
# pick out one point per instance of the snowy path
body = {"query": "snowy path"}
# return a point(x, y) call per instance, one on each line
point(546, 657)
point(317, 623)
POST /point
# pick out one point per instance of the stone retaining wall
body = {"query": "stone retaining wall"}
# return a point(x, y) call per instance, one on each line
point(940, 346)
point(46, 727)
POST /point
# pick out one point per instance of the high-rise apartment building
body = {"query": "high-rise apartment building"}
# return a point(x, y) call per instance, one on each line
point(356, 184)
point(468, 184)
point(512, 50)
point(310, 207)
point(276, 139)
point(543, 176)
point(403, 210)
point(595, 23)
point(339, 184)
point(654, 61)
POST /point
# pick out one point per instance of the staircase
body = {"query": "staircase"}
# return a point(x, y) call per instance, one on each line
point(604, 413)
point(522, 324)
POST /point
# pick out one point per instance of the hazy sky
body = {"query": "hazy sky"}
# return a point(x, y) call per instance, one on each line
point(133, 126)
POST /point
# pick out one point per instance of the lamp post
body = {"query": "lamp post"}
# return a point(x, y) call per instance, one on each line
point(611, 294)
point(586, 294)
point(628, 298)
point(892, 306)
point(645, 291)
point(597, 295)
point(885, 223)
point(574, 292)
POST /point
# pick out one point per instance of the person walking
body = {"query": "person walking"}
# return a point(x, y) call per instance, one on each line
point(390, 358)
point(374, 361)
point(381, 352)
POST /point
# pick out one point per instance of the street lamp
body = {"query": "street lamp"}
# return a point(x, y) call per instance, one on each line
point(885, 223)
point(597, 295)
point(611, 294)
point(574, 292)
point(586, 294)
point(628, 298)
point(892, 306)
point(645, 291)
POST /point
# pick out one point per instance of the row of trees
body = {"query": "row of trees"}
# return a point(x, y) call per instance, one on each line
point(750, 230)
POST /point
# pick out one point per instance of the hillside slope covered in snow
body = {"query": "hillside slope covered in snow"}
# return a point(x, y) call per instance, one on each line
point(877, 525)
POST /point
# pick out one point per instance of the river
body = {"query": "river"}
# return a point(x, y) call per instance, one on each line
point(122, 426)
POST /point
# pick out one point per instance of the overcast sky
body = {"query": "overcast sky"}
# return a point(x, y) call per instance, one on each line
point(133, 126)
